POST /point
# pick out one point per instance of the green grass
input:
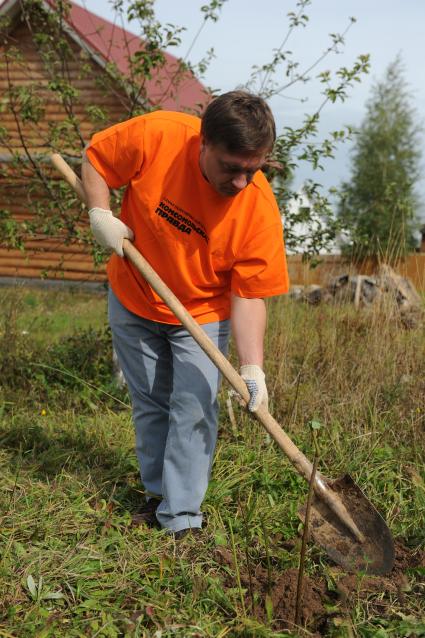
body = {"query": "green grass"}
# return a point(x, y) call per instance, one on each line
point(51, 314)
point(71, 564)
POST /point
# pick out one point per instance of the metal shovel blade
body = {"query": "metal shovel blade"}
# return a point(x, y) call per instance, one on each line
point(375, 555)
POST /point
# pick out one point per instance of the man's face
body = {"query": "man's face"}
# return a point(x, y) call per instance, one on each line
point(228, 173)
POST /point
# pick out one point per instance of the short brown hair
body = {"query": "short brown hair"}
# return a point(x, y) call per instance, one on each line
point(239, 121)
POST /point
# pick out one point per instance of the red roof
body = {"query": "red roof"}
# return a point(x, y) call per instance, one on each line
point(112, 43)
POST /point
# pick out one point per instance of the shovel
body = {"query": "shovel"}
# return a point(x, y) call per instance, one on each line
point(342, 520)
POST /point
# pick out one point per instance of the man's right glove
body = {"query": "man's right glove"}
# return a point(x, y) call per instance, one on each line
point(254, 378)
point(109, 231)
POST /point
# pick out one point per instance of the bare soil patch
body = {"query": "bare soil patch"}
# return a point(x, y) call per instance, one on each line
point(280, 589)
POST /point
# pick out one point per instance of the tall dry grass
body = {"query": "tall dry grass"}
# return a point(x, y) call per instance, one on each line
point(359, 368)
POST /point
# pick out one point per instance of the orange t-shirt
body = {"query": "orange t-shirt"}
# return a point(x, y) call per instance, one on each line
point(203, 245)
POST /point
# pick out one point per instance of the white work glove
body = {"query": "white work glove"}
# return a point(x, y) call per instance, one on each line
point(109, 231)
point(254, 378)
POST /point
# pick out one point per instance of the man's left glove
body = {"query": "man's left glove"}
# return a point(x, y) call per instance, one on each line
point(254, 378)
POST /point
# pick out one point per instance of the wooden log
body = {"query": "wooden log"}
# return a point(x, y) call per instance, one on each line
point(358, 290)
point(48, 254)
point(35, 273)
point(44, 244)
point(52, 264)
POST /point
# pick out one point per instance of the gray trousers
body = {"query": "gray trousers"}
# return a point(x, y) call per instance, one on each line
point(173, 387)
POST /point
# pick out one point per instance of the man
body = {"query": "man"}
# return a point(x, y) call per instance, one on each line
point(201, 212)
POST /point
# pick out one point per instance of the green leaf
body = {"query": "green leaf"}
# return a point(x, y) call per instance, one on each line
point(315, 425)
point(53, 595)
point(220, 538)
point(92, 603)
point(32, 586)
point(269, 608)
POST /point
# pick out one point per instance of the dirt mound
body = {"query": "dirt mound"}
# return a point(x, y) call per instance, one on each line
point(272, 596)
point(406, 558)
point(276, 594)
point(282, 593)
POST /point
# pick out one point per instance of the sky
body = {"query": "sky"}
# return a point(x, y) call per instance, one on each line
point(248, 31)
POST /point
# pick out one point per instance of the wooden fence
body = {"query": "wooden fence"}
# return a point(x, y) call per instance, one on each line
point(331, 266)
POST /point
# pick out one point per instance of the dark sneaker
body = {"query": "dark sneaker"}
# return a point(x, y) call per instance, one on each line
point(190, 531)
point(146, 514)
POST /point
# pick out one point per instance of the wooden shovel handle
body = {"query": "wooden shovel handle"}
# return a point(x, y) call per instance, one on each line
point(297, 458)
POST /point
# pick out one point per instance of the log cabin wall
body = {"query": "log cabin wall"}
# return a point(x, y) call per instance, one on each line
point(47, 256)
point(85, 76)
